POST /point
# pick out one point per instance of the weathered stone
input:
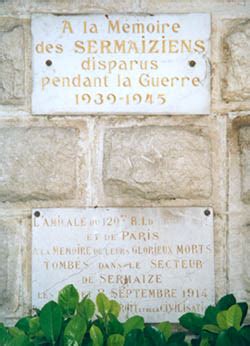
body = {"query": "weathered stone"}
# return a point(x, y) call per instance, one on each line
point(157, 163)
point(236, 85)
point(195, 2)
point(246, 256)
point(244, 139)
point(78, 5)
point(37, 163)
point(3, 264)
point(238, 233)
point(12, 86)
point(161, 5)
point(13, 276)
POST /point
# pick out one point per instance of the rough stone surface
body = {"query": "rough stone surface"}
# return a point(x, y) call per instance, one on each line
point(239, 209)
point(157, 163)
point(12, 81)
point(246, 256)
point(37, 163)
point(79, 5)
point(159, 5)
point(85, 6)
point(238, 266)
point(12, 267)
point(3, 265)
point(236, 85)
point(244, 138)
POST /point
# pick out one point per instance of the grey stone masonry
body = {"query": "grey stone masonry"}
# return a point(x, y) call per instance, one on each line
point(12, 62)
point(37, 163)
point(157, 162)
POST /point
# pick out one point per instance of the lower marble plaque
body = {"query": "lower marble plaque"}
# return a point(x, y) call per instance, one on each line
point(156, 262)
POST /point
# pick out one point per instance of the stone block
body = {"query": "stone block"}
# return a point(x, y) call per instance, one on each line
point(3, 264)
point(12, 66)
point(37, 163)
point(246, 256)
point(236, 48)
point(13, 256)
point(78, 6)
point(157, 163)
point(244, 141)
point(239, 208)
point(165, 5)
point(238, 254)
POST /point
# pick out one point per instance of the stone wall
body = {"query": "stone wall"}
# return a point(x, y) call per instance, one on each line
point(76, 161)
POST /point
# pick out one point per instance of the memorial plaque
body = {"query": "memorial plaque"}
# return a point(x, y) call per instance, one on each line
point(157, 262)
point(99, 64)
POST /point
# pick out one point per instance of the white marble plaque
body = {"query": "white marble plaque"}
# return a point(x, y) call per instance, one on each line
point(99, 64)
point(157, 262)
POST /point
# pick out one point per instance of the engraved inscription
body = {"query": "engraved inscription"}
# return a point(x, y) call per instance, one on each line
point(151, 263)
point(121, 63)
